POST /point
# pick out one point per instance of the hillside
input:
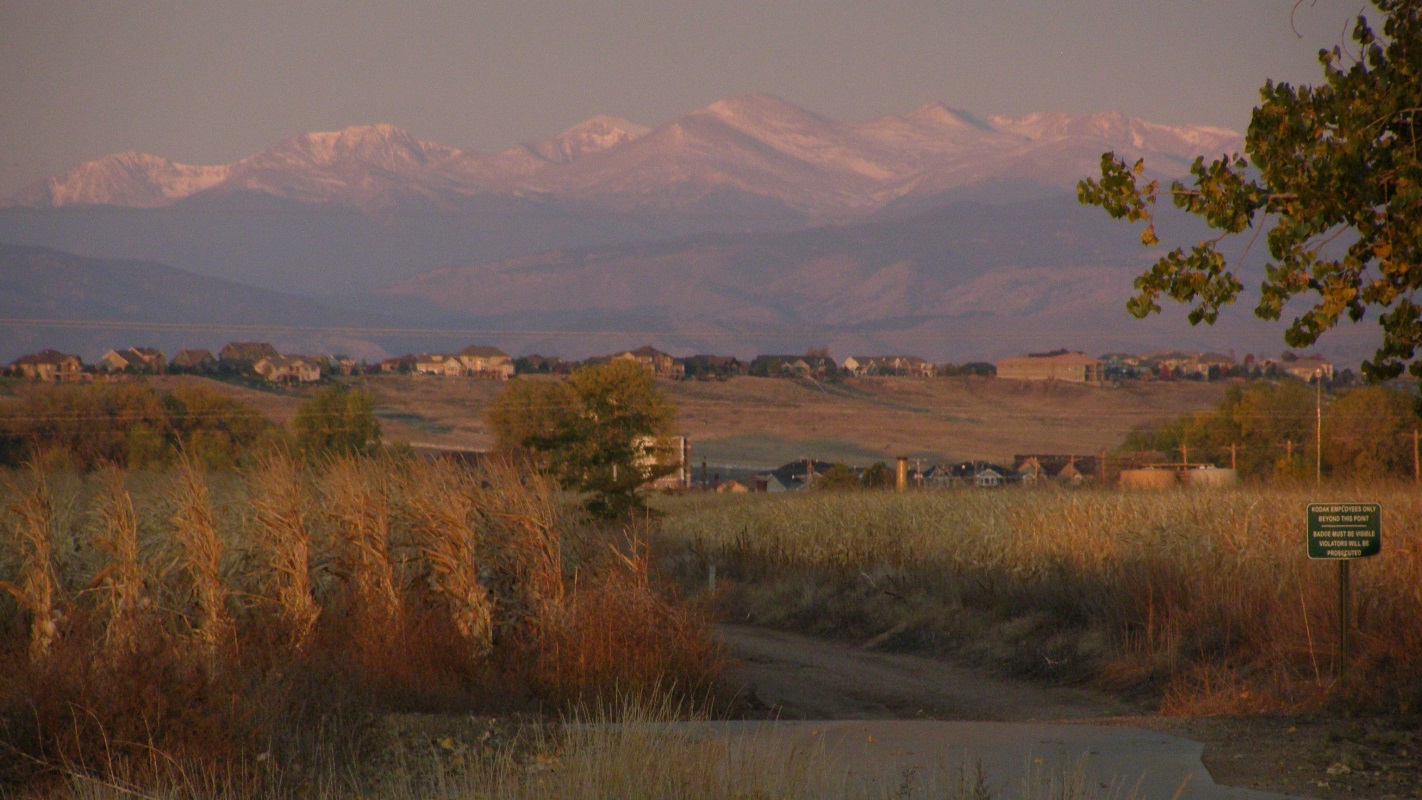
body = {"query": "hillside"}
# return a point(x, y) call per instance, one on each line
point(89, 305)
point(760, 422)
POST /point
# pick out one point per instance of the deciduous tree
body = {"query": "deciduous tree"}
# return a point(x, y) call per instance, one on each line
point(1333, 173)
point(602, 431)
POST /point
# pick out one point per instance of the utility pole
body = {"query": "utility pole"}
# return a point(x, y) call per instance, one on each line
point(1233, 461)
point(1318, 381)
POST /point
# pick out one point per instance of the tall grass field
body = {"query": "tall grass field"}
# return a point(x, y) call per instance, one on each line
point(1197, 601)
point(244, 633)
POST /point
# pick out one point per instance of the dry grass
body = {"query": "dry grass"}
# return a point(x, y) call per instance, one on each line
point(248, 636)
point(121, 583)
point(37, 587)
point(1205, 600)
point(770, 421)
point(194, 527)
point(280, 499)
point(443, 506)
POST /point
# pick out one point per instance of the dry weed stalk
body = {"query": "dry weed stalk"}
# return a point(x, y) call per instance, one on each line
point(122, 580)
point(36, 590)
point(357, 500)
point(195, 529)
point(525, 505)
point(279, 498)
point(444, 510)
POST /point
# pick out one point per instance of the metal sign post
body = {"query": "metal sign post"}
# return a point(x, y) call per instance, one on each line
point(1342, 532)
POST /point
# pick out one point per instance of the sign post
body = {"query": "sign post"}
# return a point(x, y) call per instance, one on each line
point(1342, 532)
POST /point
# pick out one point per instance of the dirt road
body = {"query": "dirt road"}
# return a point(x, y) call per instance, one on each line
point(799, 677)
point(790, 676)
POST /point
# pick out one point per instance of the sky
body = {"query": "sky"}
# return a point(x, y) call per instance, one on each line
point(210, 82)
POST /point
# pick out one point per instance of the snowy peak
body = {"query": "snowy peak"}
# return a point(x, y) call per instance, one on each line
point(938, 115)
point(380, 146)
point(1119, 131)
point(594, 135)
point(750, 151)
point(134, 180)
point(762, 114)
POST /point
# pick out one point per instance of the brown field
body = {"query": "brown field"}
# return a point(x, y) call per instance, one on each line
point(765, 422)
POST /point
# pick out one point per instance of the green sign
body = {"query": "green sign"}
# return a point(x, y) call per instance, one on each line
point(1344, 530)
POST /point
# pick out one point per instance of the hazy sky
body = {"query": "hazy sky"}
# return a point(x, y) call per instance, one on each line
point(205, 82)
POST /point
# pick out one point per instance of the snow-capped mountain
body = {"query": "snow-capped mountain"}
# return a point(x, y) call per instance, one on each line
point(133, 180)
point(756, 151)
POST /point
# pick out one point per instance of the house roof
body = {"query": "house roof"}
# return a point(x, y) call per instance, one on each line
point(188, 358)
point(247, 351)
point(483, 351)
point(1056, 358)
point(47, 356)
point(648, 351)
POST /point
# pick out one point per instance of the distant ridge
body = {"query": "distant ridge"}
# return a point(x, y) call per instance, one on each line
point(755, 145)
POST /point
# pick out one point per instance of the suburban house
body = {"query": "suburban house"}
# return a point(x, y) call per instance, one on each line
point(708, 367)
point(542, 365)
point(792, 366)
point(288, 369)
point(890, 365)
point(405, 363)
point(194, 361)
point(1308, 367)
point(440, 364)
point(134, 359)
point(792, 476)
point(487, 362)
point(49, 365)
point(662, 365)
point(1068, 469)
point(1061, 365)
point(243, 356)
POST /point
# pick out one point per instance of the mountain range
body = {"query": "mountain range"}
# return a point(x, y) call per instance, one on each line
point(748, 224)
point(756, 146)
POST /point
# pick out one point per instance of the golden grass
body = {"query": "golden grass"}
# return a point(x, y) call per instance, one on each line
point(121, 582)
point(443, 506)
point(1205, 598)
point(355, 496)
point(281, 499)
point(772, 420)
point(194, 527)
point(234, 639)
point(34, 531)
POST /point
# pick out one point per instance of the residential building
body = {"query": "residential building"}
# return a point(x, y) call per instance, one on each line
point(890, 365)
point(1062, 365)
point(243, 356)
point(288, 369)
point(440, 364)
point(807, 366)
point(134, 359)
point(194, 361)
point(49, 365)
point(1307, 368)
point(662, 365)
point(487, 362)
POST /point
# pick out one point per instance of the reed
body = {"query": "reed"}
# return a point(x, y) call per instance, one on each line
point(121, 582)
point(1205, 599)
point(356, 497)
point(526, 513)
point(279, 497)
point(36, 591)
point(194, 528)
point(444, 509)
